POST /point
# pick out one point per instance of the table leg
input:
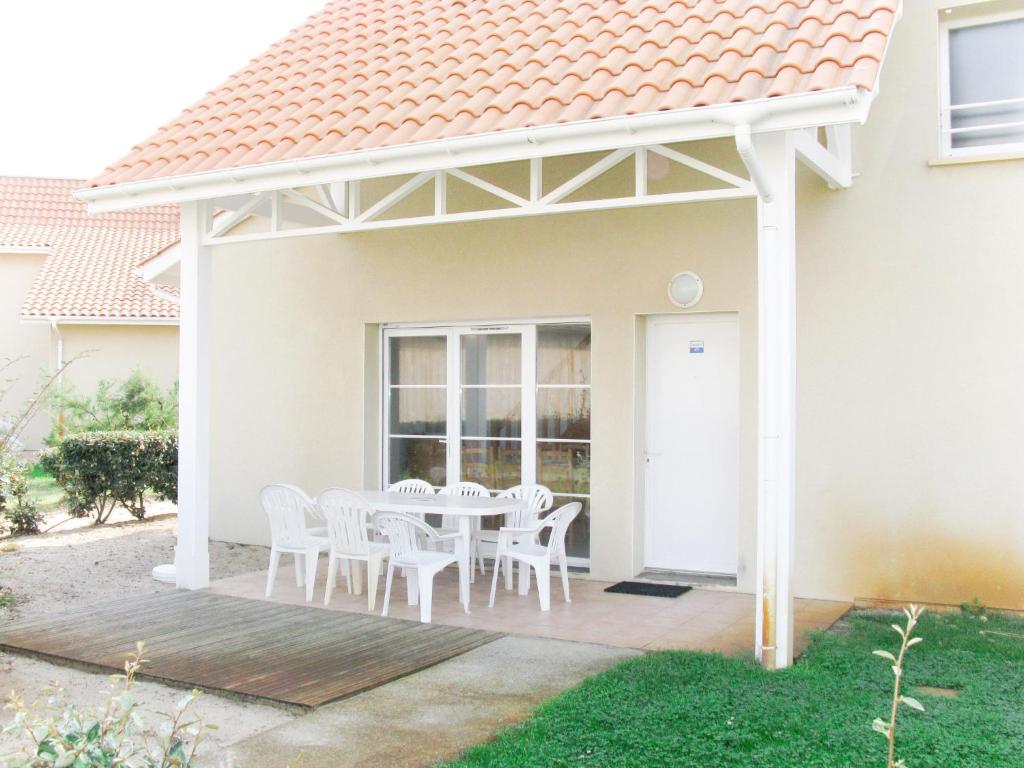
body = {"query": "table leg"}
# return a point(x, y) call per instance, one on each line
point(463, 548)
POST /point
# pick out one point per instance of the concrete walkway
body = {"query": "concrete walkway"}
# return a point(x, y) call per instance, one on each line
point(432, 715)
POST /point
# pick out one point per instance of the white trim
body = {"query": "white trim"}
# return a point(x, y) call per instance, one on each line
point(975, 16)
point(362, 225)
point(154, 267)
point(25, 250)
point(62, 320)
point(829, 107)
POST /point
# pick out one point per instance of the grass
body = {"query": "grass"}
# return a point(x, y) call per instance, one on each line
point(44, 490)
point(702, 710)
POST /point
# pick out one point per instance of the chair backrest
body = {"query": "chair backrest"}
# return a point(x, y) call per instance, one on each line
point(414, 486)
point(287, 506)
point(538, 500)
point(348, 515)
point(402, 533)
point(559, 522)
point(460, 489)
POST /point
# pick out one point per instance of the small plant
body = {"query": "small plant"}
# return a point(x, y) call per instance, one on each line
point(888, 729)
point(975, 609)
point(59, 734)
point(137, 403)
point(18, 512)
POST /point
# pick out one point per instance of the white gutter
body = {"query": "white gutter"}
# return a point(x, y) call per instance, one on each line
point(25, 249)
point(52, 321)
point(821, 108)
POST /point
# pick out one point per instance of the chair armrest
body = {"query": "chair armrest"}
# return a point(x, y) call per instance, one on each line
point(444, 536)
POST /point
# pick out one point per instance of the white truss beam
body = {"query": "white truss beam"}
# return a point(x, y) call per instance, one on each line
point(336, 207)
point(831, 161)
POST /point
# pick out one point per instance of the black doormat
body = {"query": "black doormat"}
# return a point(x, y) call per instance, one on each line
point(647, 589)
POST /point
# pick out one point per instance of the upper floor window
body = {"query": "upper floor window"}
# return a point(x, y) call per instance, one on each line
point(983, 88)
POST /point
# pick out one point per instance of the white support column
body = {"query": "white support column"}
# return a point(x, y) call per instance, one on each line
point(776, 503)
point(192, 556)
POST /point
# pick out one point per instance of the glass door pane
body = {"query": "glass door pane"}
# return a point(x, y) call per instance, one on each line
point(563, 423)
point(491, 404)
point(416, 408)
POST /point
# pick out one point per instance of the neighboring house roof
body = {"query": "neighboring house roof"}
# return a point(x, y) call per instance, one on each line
point(363, 74)
point(90, 272)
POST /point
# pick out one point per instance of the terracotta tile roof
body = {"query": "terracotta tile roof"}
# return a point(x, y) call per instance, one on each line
point(90, 270)
point(364, 74)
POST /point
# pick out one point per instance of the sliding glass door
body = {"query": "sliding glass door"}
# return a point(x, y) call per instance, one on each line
point(497, 405)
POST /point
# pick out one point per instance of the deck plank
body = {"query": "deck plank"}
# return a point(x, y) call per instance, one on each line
point(294, 655)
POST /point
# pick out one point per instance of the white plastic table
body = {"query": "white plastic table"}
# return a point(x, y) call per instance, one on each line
point(465, 508)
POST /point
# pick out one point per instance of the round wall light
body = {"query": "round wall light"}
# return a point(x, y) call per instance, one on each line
point(685, 289)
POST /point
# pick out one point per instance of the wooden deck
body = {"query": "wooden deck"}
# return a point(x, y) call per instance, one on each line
point(294, 655)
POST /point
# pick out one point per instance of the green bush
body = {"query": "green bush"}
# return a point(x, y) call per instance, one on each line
point(18, 512)
point(102, 470)
point(137, 403)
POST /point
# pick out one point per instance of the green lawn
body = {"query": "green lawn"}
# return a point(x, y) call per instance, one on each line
point(44, 490)
point(705, 711)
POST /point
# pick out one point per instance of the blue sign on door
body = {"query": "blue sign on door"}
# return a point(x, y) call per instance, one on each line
point(697, 347)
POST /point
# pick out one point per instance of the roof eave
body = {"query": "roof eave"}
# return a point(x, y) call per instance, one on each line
point(73, 320)
point(806, 110)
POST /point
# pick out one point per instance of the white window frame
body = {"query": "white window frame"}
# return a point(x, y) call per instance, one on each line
point(945, 88)
point(528, 430)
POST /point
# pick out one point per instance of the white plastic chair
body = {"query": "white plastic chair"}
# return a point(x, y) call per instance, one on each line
point(404, 533)
point(412, 487)
point(348, 529)
point(539, 500)
point(521, 544)
point(450, 523)
point(289, 509)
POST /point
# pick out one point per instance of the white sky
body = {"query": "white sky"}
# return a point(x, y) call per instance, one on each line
point(82, 81)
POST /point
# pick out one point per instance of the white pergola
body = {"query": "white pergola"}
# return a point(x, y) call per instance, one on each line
point(323, 195)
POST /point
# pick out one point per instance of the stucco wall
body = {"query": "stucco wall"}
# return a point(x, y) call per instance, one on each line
point(911, 359)
point(19, 340)
point(114, 351)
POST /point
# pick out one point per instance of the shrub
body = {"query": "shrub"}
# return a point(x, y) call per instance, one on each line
point(137, 403)
point(18, 513)
point(102, 470)
point(57, 733)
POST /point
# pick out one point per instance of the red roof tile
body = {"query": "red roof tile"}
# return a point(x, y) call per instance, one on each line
point(90, 270)
point(364, 74)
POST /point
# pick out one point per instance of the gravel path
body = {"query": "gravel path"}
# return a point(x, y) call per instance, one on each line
point(68, 569)
point(54, 572)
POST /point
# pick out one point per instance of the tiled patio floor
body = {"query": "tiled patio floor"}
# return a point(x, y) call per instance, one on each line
point(704, 619)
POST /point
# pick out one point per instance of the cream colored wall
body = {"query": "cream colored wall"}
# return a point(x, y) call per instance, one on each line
point(114, 351)
point(910, 352)
point(912, 359)
point(22, 340)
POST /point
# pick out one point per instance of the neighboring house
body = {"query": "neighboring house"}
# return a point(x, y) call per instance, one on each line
point(71, 289)
point(831, 410)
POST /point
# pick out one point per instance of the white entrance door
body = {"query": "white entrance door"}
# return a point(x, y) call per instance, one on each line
point(692, 443)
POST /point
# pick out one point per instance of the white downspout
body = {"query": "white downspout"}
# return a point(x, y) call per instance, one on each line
point(58, 365)
point(770, 159)
point(745, 147)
